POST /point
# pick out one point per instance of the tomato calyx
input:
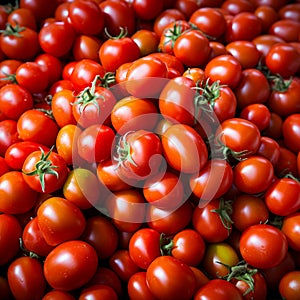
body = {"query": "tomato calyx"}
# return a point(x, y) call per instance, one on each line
point(11, 30)
point(28, 253)
point(279, 84)
point(241, 271)
point(166, 244)
point(9, 77)
point(173, 33)
point(224, 211)
point(42, 167)
point(123, 33)
point(123, 151)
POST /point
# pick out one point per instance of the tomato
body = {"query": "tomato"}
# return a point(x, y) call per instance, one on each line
point(131, 114)
point(144, 247)
point(188, 7)
point(290, 130)
point(102, 235)
point(246, 53)
point(126, 208)
point(10, 240)
point(268, 15)
point(253, 175)
point(116, 51)
point(99, 291)
point(95, 143)
point(93, 105)
point(36, 126)
point(57, 294)
point(137, 287)
point(33, 239)
point(148, 9)
point(26, 279)
point(86, 17)
point(239, 135)
point(225, 68)
point(14, 100)
point(286, 29)
point(4, 289)
point(62, 84)
point(169, 278)
point(108, 175)
point(213, 220)
point(263, 246)
point(23, 17)
point(4, 167)
point(84, 73)
point(257, 113)
point(283, 59)
point(164, 190)
point(8, 135)
point(56, 38)
point(289, 285)
point(169, 221)
point(20, 43)
point(213, 180)
point(235, 7)
point(82, 188)
point(60, 220)
point(122, 264)
point(146, 40)
point(184, 149)
point(248, 210)
point(16, 196)
point(44, 172)
point(238, 27)
point(217, 257)
point(218, 288)
point(192, 48)
point(253, 88)
point(283, 196)
point(118, 14)
point(287, 163)
point(274, 129)
point(188, 246)
point(80, 266)
point(290, 227)
point(269, 149)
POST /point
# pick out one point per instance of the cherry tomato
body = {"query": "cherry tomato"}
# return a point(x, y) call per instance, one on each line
point(289, 285)
point(290, 130)
point(86, 46)
point(8, 135)
point(290, 229)
point(99, 291)
point(80, 266)
point(147, 10)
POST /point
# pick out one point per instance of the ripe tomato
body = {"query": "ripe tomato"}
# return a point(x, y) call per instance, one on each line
point(14, 100)
point(286, 29)
point(248, 210)
point(33, 239)
point(144, 247)
point(218, 289)
point(168, 278)
point(8, 69)
point(60, 220)
point(26, 279)
point(44, 172)
point(20, 43)
point(184, 149)
point(269, 149)
point(290, 130)
point(86, 46)
point(146, 40)
point(98, 291)
point(10, 239)
point(263, 246)
point(57, 294)
point(8, 135)
point(290, 227)
point(289, 285)
point(283, 196)
point(80, 266)
point(253, 175)
point(23, 17)
point(16, 197)
point(116, 51)
point(225, 68)
point(148, 9)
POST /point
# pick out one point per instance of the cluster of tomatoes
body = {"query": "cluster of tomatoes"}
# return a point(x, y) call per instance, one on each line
point(150, 149)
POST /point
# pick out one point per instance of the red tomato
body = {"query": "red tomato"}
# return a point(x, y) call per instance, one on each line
point(10, 239)
point(80, 266)
point(8, 69)
point(269, 149)
point(263, 246)
point(148, 9)
point(56, 294)
point(26, 279)
point(44, 172)
point(169, 278)
point(289, 285)
point(8, 135)
point(286, 29)
point(146, 40)
point(23, 17)
point(290, 227)
point(16, 197)
point(98, 291)
point(86, 46)
point(290, 130)
point(283, 197)
point(268, 15)
point(184, 149)
point(14, 100)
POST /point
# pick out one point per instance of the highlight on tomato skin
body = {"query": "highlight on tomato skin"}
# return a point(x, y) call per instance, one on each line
point(149, 149)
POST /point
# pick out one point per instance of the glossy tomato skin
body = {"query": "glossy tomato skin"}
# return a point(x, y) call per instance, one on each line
point(193, 153)
point(289, 285)
point(218, 288)
point(60, 220)
point(26, 279)
point(9, 134)
point(263, 236)
point(290, 130)
point(80, 267)
point(290, 227)
point(168, 278)
point(98, 291)
point(9, 239)
point(56, 293)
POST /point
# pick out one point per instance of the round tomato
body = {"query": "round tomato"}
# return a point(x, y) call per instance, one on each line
point(80, 266)
point(169, 278)
point(8, 135)
point(291, 134)
point(98, 291)
point(290, 227)
point(147, 9)
point(146, 40)
point(263, 246)
point(269, 149)
point(289, 285)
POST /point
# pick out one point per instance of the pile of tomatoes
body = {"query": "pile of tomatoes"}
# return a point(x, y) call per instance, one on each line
point(150, 149)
